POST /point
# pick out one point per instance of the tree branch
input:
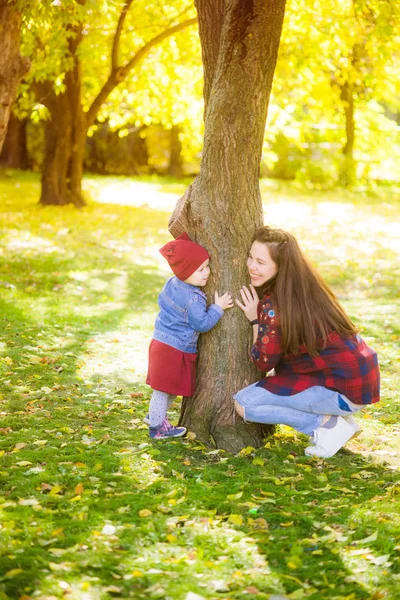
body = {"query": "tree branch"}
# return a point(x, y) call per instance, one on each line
point(140, 54)
point(118, 32)
point(119, 74)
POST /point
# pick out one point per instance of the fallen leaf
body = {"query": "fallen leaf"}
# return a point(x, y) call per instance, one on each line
point(235, 496)
point(13, 573)
point(235, 519)
point(28, 501)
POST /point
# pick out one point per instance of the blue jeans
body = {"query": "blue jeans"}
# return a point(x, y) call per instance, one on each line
point(303, 411)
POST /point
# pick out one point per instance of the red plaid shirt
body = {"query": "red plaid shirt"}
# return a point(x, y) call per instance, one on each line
point(346, 365)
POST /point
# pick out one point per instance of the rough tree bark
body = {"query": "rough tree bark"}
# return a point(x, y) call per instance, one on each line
point(222, 208)
point(12, 66)
point(14, 153)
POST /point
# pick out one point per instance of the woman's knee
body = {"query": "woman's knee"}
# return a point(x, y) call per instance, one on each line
point(239, 409)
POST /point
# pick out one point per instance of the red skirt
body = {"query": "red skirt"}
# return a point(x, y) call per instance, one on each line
point(171, 370)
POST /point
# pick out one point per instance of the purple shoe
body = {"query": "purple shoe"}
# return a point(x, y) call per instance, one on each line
point(165, 431)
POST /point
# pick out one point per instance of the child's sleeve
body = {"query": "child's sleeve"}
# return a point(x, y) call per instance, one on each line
point(266, 352)
point(200, 317)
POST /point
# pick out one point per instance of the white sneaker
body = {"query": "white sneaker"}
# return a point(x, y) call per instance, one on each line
point(329, 441)
point(353, 422)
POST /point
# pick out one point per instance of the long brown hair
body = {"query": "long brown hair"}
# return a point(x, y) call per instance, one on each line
point(308, 308)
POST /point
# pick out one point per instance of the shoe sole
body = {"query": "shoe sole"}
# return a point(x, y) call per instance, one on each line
point(356, 431)
point(169, 437)
point(356, 434)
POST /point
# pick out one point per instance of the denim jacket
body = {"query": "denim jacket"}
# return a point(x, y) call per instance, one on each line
point(184, 315)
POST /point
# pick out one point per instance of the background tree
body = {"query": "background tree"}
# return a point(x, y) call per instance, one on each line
point(71, 112)
point(222, 207)
point(13, 66)
point(329, 95)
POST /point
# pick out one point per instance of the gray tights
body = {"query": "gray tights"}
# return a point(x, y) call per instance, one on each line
point(159, 404)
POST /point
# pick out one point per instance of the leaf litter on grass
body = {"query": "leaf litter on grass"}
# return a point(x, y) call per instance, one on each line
point(90, 509)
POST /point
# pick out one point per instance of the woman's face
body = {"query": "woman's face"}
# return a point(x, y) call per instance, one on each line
point(260, 264)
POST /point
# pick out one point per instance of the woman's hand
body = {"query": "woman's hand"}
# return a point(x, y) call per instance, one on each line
point(250, 302)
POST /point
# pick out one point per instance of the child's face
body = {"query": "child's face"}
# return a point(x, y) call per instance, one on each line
point(260, 264)
point(200, 276)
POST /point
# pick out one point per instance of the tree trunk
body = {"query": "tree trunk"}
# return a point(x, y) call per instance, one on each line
point(14, 153)
point(12, 66)
point(58, 150)
point(175, 168)
point(347, 174)
point(222, 208)
point(71, 149)
point(65, 135)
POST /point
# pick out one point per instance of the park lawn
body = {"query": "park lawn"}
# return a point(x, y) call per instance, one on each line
point(89, 508)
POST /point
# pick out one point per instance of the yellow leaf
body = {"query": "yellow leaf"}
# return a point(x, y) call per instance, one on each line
point(56, 489)
point(235, 496)
point(186, 462)
point(19, 446)
point(79, 489)
point(23, 463)
point(97, 467)
point(191, 436)
point(235, 519)
point(258, 461)
point(75, 498)
point(292, 565)
point(171, 494)
point(13, 573)
point(246, 451)
point(2, 452)
point(288, 524)
point(145, 512)
point(133, 574)
point(171, 538)
point(81, 465)
point(259, 523)
point(164, 509)
point(58, 552)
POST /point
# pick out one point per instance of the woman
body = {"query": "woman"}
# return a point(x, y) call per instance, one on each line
point(323, 371)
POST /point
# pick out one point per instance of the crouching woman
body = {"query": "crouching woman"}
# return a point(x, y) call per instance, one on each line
point(323, 371)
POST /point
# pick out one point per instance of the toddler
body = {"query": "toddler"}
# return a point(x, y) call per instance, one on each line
point(183, 316)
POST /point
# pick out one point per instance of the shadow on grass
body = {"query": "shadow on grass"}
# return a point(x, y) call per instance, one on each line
point(78, 469)
point(216, 525)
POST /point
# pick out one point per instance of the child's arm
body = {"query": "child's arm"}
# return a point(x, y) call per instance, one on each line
point(203, 319)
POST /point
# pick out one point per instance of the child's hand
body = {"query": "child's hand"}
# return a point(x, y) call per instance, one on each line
point(225, 301)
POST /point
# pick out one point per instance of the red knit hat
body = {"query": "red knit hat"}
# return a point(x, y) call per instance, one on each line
point(184, 256)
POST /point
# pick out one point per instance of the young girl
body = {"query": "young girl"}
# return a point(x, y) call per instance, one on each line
point(183, 315)
point(323, 371)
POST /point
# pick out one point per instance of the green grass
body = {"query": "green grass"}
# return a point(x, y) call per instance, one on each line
point(89, 508)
